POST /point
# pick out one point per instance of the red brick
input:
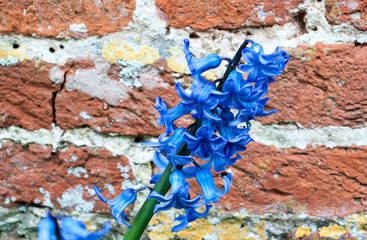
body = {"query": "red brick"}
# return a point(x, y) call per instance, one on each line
point(316, 236)
point(321, 86)
point(26, 94)
point(130, 111)
point(320, 181)
point(24, 170)
point(353, 11)
point(53, 18)
point(203, 15)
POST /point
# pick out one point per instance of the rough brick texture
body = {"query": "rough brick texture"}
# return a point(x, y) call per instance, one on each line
point(352, 11)
point(110, 105)
point(325, 85)
point(322, 85)
point(57, 19)
point(26, 95)
point(203, 15)
point(25, 170)
point(320, 181)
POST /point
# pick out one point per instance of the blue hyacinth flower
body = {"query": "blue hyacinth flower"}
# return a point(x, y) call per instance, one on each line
point(199, 65)
point(208, 187)
point(170, 145)
point(237, 93)
point(260, 65)
point(48, 228)
point(205, 142)
point(161, 162)
point(168, 116)
point(119, 204)
point(236, 138)
point(72, 229)
point(202, 100)
point(179, 197)
point(257, 109)
point(191, 215)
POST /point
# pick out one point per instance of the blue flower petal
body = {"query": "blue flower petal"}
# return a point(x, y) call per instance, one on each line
point(160, 160)
point(262, 65)
point(208, 187)
point(168, 116)
point(155, 178)
point(199, 65)
point(191, 215)
point(47, 228)
point(176, 179)
point(119, 204)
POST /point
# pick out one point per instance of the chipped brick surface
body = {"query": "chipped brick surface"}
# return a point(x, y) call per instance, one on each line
point(26, 95)
point(25, 170)
point(203, 15)
point(95, 96)
point(352, 11)
point(63, 18)
point(318, 181)
point(321, 86)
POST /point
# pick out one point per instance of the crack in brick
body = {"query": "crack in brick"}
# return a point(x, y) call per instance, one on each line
point(54, 94)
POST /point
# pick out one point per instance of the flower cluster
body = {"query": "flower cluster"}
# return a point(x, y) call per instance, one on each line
point(221, 130)
point(219, 137)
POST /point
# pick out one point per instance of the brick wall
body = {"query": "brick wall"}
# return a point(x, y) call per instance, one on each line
point(77, 86)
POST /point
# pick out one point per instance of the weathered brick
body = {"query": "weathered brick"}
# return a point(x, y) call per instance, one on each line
point(203, 15)
point(94, 96)
point(63, 18)
point(322, 85)
point(35, 172)
point(353, 11)
point(26, 95)
point(319, 181)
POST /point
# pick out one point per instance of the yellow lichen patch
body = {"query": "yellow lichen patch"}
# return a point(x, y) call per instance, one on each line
point(360, 219)
point(177, 60)
point(8, 51)
point(121, 50)
point(162, 232)
point(116, 50)
point(260, 228)
point(147, 55)
point(230, 231)
point(198, 230)
point(162, 225)
point(303, 232)
point(333, 232)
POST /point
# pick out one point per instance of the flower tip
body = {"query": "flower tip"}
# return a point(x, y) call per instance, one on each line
point(99, 194)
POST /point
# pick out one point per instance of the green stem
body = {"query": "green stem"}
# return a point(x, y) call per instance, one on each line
point(163, 185)
point(146, 211)
point(233, 64)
